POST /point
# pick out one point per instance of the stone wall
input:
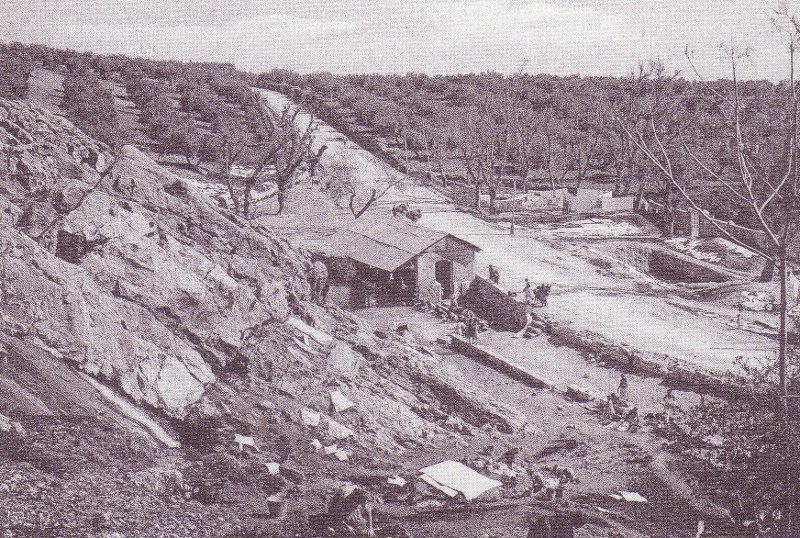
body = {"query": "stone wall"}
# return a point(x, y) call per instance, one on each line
point(463, 262)
point(495, 305)
point(674, 267)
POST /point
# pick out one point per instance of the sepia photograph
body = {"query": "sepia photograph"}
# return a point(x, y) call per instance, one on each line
point(399, 268)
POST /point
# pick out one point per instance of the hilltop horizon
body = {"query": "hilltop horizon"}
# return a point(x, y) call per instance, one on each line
point(447, 37)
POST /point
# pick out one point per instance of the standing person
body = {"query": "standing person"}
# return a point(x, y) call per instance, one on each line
point(611, 412)
point(319, 281)
point(622, 389)
point(669, 405)
point(528, 292)
point(494, 275)
point(472, 328)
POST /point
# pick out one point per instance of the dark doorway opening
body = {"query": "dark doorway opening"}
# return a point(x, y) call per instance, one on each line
point(444, 276)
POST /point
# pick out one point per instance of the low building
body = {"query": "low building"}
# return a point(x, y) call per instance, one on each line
point(395, 261)
point(583, 200)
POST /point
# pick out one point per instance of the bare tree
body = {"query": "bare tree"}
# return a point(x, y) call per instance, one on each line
point(232, 141)
point(282, 147)
point(525, 140)
point(758, 171)
point(468, 141)
point(343, 186)
point(772, 199)
point(436, 135)
point(269, 154)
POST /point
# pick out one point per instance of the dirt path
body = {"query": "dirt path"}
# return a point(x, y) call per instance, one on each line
point(584, 295)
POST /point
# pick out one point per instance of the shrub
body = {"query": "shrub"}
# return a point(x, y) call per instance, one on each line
point(202, 101)
point(14, 74)
point(90, 106)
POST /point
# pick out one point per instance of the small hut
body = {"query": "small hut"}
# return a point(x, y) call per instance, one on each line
point(398, 262)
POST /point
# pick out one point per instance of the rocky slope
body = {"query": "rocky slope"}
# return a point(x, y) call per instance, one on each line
point(189, 322)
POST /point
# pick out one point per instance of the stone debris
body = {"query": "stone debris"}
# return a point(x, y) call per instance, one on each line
point(584, 394)
point(338, 431)
point(133, 412)
point(276, 504)
point(342, 454)
point(396, 480)
point(628, 496)
point(450, 492)
point(343, 360)
point(245, 440)
point(309, 417)
point(758, 301)
point(5, 424)
point(159, 480)
point(18, 429)
point(565, 473)
point(316, 444)
point(457, 424)
point(273, 467)
point(716, 441)
point(321, 337)
point(331, 449)
point(340, 402)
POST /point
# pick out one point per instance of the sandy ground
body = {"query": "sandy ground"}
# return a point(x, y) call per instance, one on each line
point(583, 295)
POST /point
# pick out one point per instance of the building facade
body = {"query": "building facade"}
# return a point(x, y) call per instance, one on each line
point(395, 261)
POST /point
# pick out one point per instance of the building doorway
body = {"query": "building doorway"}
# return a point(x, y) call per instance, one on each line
point(444, 276)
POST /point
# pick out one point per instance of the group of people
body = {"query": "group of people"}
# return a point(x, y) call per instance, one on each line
point(536, 296)
point(617, 407)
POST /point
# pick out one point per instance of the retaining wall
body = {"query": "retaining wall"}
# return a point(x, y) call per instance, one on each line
point(674, 267)
point(506, 313)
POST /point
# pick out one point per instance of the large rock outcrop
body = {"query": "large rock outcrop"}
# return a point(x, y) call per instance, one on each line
point(116, 266)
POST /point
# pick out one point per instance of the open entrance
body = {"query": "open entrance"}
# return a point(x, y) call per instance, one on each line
point(444, 276)
point(376, 287)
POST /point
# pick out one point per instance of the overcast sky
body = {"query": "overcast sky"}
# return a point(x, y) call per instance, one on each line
point(588, 37)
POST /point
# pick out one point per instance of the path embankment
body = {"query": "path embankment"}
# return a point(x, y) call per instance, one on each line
point(505, 312)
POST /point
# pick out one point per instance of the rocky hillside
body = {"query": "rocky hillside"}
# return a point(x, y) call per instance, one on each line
point(130, 299)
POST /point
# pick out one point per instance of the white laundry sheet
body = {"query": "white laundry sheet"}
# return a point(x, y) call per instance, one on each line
point(458, 477)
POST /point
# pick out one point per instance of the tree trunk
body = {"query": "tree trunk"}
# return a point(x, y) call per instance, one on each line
point(477, 194)
point(639, 192)
point(513, 206)
point(492, 196)
point(669, 210)
point(782, 328)
point(283, 196)
point(787, 408)
point(248, 197)
point(229, 182)
point(767, 272)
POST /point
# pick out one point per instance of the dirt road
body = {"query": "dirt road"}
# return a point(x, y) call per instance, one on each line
point(633, 309)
